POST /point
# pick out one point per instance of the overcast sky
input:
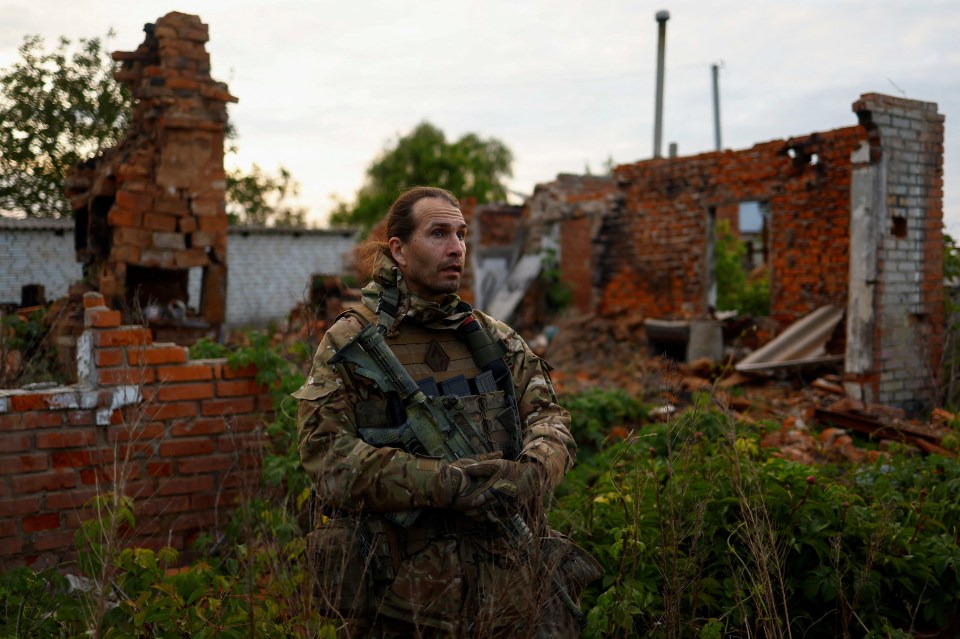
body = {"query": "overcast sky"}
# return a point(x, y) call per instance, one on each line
point(565, 84)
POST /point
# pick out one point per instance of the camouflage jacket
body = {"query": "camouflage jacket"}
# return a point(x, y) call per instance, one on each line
point(354, 479)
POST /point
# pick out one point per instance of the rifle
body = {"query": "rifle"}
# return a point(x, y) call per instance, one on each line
point(431, 423)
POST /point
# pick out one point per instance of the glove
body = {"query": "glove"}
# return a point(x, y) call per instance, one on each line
point(500, 485)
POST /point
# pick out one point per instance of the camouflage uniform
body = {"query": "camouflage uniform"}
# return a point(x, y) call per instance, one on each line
point(451, 573)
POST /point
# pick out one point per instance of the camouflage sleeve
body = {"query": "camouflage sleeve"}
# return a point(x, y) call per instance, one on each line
point(545, 424)
point(347, 473)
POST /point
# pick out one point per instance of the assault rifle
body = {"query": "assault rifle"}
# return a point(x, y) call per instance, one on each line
point(431, 424)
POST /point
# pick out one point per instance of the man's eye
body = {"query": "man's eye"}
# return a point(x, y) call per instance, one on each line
point(438, 233)
point(461, 235)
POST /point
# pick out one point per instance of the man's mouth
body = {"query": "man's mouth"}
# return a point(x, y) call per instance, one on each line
point(454, 268)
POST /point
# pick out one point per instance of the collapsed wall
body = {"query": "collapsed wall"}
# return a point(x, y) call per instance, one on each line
point(850, 217)
point(181, 437)
point(153, 207)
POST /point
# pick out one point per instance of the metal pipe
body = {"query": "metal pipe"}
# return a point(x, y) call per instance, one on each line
point(662, 17)
point(716, 107)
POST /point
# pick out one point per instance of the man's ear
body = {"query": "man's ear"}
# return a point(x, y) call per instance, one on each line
point(396, 251)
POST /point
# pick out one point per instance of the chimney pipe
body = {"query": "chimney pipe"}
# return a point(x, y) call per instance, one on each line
point(716, 107)
point(662, 17)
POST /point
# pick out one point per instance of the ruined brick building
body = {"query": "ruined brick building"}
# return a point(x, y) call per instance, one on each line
point(850, 217)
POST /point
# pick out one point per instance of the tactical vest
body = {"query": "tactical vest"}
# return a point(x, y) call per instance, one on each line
point(442, 362)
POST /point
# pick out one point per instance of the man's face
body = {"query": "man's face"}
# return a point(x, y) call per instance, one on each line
point(432, 259)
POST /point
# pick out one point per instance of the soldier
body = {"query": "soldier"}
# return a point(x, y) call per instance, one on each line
point(411, 545)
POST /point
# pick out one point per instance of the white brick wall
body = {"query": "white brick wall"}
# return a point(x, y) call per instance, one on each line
point(268, 270)
point(37, 252)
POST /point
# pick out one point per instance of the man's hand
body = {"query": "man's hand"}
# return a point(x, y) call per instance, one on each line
point(498, 485)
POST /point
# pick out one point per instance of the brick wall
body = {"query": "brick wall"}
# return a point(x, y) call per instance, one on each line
point(269, 269)
point(36, 252)
point(180, 437)
point(854, 220)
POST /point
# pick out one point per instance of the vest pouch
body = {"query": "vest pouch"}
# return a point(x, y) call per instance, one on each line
point(339, 565)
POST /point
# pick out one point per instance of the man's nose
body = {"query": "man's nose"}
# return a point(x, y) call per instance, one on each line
point(456, 246)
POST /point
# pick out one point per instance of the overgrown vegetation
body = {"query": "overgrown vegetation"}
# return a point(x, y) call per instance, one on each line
point(737, 289)
point(702, 533)
point(27, 353)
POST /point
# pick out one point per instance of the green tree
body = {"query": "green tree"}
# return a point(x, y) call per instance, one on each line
point(262, 199)
point(59, 107)
point(56, 108)
point(468, 167)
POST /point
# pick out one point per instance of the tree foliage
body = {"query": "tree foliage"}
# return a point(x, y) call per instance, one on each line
point(56, 108)
point(469, 167)
point(263, 199)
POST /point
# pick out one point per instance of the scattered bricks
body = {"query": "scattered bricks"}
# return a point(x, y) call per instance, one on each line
point(187, 373)
point(14, 464)
point(108, 357)
point(33, 523)
point(44, 482)
point(237, 387)
point(123, 336)
point(227, 406)
point(13, 443)
point(195, 427)
point(19, 506)
point(101, 318)
point(186, 447)
point(179, 392)
point(67, 439)
point(207, 464)
point(157, 354)
point(185, 485)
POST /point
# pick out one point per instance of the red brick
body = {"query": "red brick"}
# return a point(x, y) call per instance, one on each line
point(80, 458)
point(69, 500)
point(158, 354)
point(123, 336)
point(175, 392)
point(160, 468)
point(237, 387)
point(92, 299)
point(14, 442)
point(67, 439)
point(252, 441)
point(53, 541)
point(124, 217)
point(43, 482)
point(8, 528)
point(208, 426)
point(10, 546)
point(101, 318)
point(185, 485)
point(214, 224)
point(194, 521)
point(156, 506)
point(19, 506)
point(28, 402)
point(80, 417)
point(246, 423)
point(159, 222)
point(186, 373)
point(33, 523)
point(206, 464)
point(109, 474)
point(186, 447)
point(219, 499)
point(138, 432)
point(14, 464)
point(231, 372)
point(124, 376)
point(227, 406)
point(108, 357)
point(172, 410)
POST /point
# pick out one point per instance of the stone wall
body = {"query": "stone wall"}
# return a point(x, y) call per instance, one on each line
point(181, 438)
